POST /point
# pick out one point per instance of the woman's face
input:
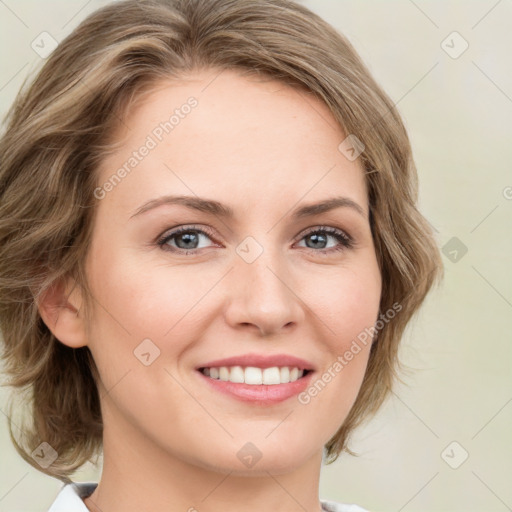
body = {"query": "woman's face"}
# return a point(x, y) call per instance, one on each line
point(265, 287)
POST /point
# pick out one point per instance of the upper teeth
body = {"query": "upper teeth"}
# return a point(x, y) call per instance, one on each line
point(253, 375)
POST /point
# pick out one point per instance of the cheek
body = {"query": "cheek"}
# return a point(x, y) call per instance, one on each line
point(146, 298)
point(347, 304)
point(346, 301)
point(136, 302)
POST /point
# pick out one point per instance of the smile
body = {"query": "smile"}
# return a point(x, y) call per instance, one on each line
point(254, 376)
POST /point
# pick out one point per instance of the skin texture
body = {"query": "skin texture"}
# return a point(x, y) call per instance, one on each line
point(171, 442)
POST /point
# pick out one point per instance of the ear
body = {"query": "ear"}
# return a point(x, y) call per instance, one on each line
point(59, 307)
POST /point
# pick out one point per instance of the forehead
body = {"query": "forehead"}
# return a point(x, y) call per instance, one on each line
point(240, 138)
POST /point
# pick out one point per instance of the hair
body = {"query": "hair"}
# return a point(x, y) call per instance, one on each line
point(60, 127)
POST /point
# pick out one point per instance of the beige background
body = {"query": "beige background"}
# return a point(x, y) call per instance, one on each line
point(458, 112)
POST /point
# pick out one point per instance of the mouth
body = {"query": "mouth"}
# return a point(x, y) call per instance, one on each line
point(257, 379)
point(254, 376)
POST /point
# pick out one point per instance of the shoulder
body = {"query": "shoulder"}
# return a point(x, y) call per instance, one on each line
point(70, 497)
point(332, 506)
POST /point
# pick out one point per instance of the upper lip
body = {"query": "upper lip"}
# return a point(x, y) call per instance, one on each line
point(260, 361)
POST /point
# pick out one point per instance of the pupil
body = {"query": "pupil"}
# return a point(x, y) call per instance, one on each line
point(316, 238)
point(188, 238)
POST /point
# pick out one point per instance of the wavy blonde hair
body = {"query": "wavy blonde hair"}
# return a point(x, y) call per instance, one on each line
point(59, 129)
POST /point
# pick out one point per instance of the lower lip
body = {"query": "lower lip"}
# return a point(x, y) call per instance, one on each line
point(260, 393)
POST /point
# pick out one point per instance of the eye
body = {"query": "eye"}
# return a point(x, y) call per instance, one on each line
point(183, 239)
point(319, 237)
point(188, 238)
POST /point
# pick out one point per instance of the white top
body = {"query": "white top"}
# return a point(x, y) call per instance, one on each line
point(70, 499)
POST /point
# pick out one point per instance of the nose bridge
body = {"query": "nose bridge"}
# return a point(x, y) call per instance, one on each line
point(263, 295)
point(266, 277)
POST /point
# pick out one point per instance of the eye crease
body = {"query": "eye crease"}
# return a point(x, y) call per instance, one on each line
point(192, 234)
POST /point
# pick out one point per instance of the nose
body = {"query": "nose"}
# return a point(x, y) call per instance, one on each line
point(263, 296)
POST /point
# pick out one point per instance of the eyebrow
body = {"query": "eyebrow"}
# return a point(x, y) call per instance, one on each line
point(224, 211)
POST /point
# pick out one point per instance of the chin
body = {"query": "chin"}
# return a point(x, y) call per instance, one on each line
point(253, 459)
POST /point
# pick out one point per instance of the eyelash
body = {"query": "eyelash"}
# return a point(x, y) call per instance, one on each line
point(345, 241)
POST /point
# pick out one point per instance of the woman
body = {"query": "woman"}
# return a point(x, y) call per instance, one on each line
point(210, 249)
